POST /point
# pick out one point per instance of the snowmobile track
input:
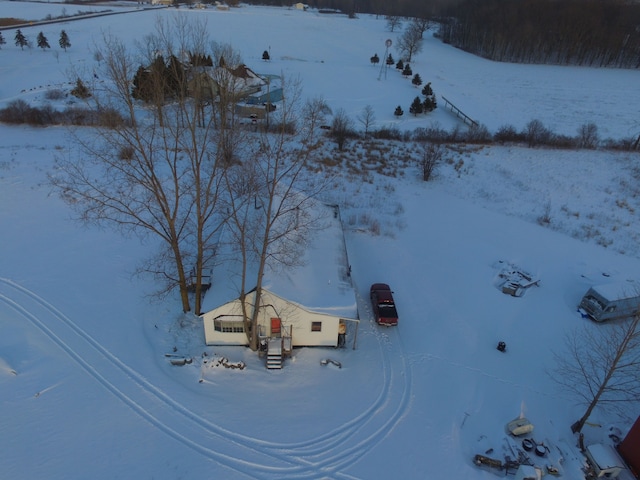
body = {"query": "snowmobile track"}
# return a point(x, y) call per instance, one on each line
point(325, 456)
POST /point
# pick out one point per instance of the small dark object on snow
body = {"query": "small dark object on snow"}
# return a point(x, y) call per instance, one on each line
point(487, 461)
point(325, 361)
point(502, 346)
point(541, 450)
point(180, 361)
point(528, 444)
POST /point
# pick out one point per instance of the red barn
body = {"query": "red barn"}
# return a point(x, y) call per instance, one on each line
point(629, 449)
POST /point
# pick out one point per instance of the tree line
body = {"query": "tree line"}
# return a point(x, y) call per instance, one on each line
point(21, 40)
point(567, 32)
point(563, 32)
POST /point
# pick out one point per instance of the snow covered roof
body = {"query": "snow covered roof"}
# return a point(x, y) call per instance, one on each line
point(321, 284)
point(616, 291)
point(605, 457)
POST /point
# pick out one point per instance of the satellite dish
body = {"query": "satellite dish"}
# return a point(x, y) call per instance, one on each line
point(388, 42)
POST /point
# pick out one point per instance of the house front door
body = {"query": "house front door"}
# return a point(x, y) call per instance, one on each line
point(275, 327)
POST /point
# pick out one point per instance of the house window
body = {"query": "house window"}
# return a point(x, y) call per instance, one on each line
point(316, 326)
point(228, 326)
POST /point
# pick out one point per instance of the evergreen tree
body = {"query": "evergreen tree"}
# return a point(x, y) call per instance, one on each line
point(407, 72)
point(398, 112)
point(400, 65)
point(64, 40)
point(200, 60)
point(417, 81)
point(416, 106)
point(266, 56)
point(429, 103)
point(427, 90)
point(142, 84)
point(20, 39)
point(2, 40)
point(175, 78)
point(42, 41)
point(80, 90)
point(375, 59)
point(390, 60)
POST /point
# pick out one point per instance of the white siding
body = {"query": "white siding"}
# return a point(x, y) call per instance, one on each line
point(290, 314)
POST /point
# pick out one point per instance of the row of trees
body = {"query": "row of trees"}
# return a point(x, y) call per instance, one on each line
point(22, 41)
point(576, 32)
point(579, 32)
point(405, 8)
point(183, 172)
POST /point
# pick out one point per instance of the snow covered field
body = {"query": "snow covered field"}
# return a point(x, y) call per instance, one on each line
point(86, 390)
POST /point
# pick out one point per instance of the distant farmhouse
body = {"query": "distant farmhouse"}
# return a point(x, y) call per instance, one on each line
point(208, 82)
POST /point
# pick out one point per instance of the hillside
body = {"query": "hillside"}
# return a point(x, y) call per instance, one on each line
point(84, 380)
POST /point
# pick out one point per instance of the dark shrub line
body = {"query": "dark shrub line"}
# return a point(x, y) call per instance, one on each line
point(534, 134)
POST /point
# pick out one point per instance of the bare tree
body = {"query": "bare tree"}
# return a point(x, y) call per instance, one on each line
point(367, 118)
point(536, 133)
point(393, 22)
point(421, 24)
point(271, 218)
point(227, 93)
point(588, 135)
point(157, 171)
point(341, 127)
point(431, 156)
point(314, 114)
point(600, 364)
point(410, 42)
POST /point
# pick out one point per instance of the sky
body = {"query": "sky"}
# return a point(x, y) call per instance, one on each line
point(86, 388)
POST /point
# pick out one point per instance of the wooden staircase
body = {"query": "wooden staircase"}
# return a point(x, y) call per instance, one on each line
point(274, 353)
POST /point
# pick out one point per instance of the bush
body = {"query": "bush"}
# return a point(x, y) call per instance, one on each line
point(508, 133)
point(387, 133)
point(431, 134)
point(625, 144)
point(54, 94)
point(536, 133)
point(110, 118)
point(478, 134)
point(80, 90)
point(19, 112)
point(562, 141)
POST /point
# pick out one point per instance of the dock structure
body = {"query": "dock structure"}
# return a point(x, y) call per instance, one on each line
point(459, 113)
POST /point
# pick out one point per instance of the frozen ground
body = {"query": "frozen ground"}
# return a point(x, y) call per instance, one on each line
point(85, 386)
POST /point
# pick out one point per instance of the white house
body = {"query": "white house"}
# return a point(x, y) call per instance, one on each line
point(311, 304)
point(277, 316)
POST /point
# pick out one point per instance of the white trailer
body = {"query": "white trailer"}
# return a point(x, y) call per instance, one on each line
point(611, 301)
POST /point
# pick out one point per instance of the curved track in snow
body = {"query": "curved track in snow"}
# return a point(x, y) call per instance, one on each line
point(325, 456)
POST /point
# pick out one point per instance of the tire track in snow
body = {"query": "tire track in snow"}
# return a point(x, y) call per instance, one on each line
point(101, 361)
point(319, 457)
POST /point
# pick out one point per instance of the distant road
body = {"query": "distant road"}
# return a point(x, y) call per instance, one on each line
point(80, 17)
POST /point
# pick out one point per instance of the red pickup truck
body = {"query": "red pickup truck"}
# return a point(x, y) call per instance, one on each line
point(384, 308)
